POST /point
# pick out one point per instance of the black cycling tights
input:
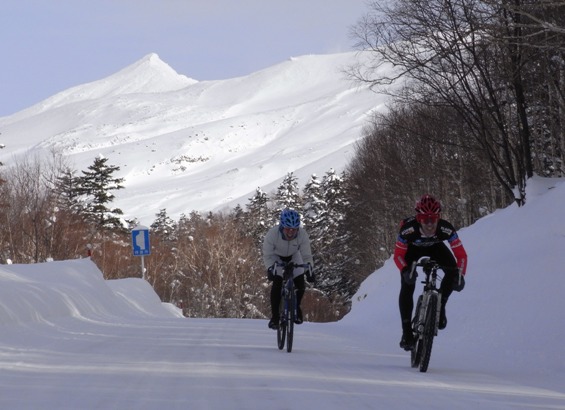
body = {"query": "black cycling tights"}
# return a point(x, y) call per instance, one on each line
point(300, 286)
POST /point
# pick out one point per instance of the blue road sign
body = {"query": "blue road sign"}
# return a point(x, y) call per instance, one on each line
point(140, 242)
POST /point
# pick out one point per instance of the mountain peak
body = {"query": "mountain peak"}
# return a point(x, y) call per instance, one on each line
point(153, 75)
point(148, 75)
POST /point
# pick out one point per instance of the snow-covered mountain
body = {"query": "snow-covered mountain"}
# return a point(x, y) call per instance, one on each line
point(204, 145)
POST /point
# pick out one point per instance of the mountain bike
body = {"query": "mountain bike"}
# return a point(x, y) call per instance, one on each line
point(288, 306)
point(426, 317)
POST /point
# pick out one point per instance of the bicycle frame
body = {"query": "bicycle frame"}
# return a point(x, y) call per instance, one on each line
point(288, 307)
point(429, 291)
point(426, 318)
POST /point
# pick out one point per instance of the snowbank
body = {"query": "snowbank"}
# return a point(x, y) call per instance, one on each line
point(76, 288)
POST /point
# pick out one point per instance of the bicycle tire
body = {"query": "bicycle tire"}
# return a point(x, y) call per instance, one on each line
point(281, 330)
point(416, 353)
point(290, 322)
point(429, 333)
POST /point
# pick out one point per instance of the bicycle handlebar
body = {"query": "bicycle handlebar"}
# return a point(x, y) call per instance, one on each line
point(294, 265)
point(429, 264)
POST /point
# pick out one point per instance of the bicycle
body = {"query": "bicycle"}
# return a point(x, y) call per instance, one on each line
point(426, 317)
point(288, 307)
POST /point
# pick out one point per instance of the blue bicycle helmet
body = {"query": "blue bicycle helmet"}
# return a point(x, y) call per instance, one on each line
point(290, 218)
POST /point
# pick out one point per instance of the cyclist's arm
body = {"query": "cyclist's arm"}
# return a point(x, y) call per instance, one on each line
point(460, 254)
point(401, 246)
point(458, 251)
point(456, 245)
point(400, 249)
point(305, 249)
point(269, 246)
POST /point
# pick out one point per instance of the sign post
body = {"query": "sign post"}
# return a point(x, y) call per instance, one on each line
point(140, 244)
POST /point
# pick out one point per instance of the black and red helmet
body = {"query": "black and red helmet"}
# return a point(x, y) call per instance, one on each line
point(427, 206)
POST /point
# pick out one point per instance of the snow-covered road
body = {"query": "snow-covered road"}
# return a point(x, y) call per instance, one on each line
point(235, 364)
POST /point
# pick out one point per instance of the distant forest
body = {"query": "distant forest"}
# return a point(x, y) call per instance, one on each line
point(482, 110)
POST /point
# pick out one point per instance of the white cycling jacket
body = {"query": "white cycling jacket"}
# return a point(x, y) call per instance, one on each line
point(274, 246)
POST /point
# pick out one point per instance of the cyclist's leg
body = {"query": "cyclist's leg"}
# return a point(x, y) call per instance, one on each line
point(406, 305)
point(443, 256)
point(300, 286)
point(406, 300)
point(406, 296)
point(275, 300)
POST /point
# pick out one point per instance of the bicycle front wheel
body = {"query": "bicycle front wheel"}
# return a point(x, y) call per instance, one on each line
point(290, 321)
point(416, 353)
point(281, 330)
point(429, 332)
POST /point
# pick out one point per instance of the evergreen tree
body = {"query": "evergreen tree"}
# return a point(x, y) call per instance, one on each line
point(314, 205)
point(164, 226)
point(96, 185)
point(68, 192)
point(184, 230)
point(334, 253)
point(241, 221)
point(314, 212)
point(258, 220)
point(287, 195)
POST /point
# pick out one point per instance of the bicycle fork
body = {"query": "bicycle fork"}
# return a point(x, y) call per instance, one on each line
point(422, 309)
point(286, 299)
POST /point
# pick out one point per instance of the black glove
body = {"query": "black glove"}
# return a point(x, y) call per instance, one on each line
point(271, 273)
point(408, 277)
point(310, 277)
point(459, 283)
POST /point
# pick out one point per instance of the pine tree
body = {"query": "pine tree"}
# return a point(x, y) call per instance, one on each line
point(68, 192)
point(164, 226)
point(258, 219)
point(314, 212)
point(334, 253)
point(287, 195)
point(96, 185)
point(314, 205)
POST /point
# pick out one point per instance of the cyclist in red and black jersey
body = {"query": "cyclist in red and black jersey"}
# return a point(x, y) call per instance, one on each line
point(424, 235)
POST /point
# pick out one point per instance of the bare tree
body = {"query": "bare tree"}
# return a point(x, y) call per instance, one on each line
point(397, 161)
point(463, 54)
point(219, 273)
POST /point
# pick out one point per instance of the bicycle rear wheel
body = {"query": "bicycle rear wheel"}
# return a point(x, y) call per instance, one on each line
point(429, 333)
point(290, 321)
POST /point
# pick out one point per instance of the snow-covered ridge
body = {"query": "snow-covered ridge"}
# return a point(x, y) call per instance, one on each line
point(147, 75)
point(211, 143)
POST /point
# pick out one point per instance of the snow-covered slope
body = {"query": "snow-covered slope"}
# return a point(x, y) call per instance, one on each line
point(511, 309)
point(185, 145)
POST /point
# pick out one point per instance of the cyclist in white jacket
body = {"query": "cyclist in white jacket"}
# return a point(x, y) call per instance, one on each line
point(287, 242)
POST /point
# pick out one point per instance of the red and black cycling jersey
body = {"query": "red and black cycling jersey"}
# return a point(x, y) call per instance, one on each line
point(411, 235)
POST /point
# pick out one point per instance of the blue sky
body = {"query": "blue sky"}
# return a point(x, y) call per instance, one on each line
point(50, 46)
